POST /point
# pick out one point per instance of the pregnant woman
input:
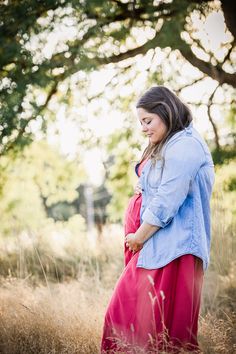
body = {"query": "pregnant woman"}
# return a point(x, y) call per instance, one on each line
point(155, 304)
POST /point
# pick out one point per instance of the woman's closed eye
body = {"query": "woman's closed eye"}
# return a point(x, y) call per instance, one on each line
point(145, 122)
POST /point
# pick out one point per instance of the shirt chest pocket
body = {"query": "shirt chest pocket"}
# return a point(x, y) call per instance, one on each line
point(154, 177)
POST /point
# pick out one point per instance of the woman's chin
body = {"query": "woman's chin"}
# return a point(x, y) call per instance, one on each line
point(152, 141)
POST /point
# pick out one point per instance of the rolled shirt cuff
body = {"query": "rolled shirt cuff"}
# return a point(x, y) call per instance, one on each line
point(152, 219)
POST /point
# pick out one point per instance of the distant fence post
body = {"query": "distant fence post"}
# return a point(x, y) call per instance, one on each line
point(88, 194)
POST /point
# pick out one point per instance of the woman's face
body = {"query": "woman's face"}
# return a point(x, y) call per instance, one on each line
point(152, 125)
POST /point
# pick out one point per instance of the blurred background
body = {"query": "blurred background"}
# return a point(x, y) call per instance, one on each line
point(70, 75)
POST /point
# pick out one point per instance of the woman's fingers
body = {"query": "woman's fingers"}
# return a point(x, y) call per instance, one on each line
point(138, 189)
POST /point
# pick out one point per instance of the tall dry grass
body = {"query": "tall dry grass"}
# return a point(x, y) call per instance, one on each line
point(41, 312)
point(64, 318)
point(68, 318)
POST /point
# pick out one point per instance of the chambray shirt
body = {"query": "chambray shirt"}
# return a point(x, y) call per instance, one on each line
point(177, 199)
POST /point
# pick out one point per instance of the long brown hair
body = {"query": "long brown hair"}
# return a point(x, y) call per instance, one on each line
point(173, 112)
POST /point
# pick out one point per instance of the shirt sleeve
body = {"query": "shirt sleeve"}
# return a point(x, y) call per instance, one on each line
point(182, 160)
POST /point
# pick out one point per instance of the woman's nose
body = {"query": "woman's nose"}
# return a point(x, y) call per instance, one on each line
point(144, 128)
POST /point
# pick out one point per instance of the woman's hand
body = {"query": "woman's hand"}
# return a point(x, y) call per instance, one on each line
point(138, 189)
point(133, 243)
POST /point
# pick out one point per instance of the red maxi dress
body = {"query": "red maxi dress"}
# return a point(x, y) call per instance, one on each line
point(153, 311)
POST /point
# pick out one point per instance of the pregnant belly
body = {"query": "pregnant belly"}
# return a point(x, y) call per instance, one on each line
point(132, 214)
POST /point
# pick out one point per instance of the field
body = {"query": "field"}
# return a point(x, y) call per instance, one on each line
point(53, 295)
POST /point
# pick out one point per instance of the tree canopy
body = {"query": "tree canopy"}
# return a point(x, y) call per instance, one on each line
point(92, 34)
point(33, 182)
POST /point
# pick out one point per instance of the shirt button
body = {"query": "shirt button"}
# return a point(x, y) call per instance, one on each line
point(142, 190)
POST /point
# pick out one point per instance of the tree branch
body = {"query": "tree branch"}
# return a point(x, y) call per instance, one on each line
point(215, 72)
point(229, 9)
point(217, 140)
point(191, 84)
point(227, 57)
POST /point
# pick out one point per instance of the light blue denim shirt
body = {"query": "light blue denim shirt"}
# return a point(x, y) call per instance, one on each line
point(177, 199)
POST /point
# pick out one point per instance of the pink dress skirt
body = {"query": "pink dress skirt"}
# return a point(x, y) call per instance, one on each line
point(153, 310)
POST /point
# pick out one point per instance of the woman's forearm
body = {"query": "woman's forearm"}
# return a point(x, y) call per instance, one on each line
point(145, 231)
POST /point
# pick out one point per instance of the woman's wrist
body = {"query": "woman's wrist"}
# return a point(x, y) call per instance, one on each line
point(144, 232)
point(138, 239)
